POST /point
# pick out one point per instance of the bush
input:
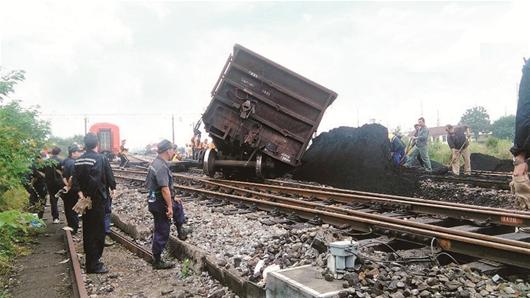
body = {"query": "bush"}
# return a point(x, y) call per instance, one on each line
point(15, 198)
point(440, 152)
point(15, 229)
point(22, 135)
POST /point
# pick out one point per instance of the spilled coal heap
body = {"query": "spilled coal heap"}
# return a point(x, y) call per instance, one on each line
point(483, 162)
point(355, 158)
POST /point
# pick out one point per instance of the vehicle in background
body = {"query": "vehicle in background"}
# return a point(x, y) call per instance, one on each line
point(109, 138)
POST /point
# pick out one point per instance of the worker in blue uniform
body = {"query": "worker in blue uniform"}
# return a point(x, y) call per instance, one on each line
point(90, 178)
point(397, 148)
point(163, 203)
point(70, 196)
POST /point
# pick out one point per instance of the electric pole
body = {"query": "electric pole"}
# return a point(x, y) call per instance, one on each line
point(173, 128)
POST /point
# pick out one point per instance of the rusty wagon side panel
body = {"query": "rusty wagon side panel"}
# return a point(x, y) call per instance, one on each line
point(260, 105)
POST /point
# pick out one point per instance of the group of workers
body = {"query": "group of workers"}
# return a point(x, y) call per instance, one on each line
point(195, 147)
point(416, 152)
point(85, 182)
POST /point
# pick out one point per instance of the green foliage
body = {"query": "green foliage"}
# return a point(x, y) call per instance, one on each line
point(495, 147)
point(8, 81)
point(477, 119)
point(439, 152)
point(504, 127)
point(186, 268)
point(15, 198)
point(15, 229)
point(22, 135)
point(63, 143)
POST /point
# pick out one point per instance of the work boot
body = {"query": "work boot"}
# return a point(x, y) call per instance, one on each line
point(109, 241)
point(161, 265)
point(520, 186)
point(100, 269)
point(181, 233)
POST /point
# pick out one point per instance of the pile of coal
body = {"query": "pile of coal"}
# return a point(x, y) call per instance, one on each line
point(355, 158)
point(483, 162)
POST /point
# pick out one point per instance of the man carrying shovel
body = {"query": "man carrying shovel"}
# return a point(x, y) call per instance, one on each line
point(459, 144)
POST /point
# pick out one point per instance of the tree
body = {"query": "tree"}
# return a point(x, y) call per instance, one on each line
point(22, 136)
point(9, 80)
point(504, 127)
point(477, 119)
point(63, 143)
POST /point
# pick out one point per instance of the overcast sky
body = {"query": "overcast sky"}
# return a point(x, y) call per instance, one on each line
point(135, 63)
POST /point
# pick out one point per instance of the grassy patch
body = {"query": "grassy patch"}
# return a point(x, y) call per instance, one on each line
point(16, 229)
point(492, 146)
point(186, 268)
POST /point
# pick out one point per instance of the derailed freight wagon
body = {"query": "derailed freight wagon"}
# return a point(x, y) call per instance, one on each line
point(261, 116)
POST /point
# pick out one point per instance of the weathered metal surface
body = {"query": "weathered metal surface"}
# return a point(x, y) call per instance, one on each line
point(132, 247)
point(502, 248)
point(260, 105)
point(454, 210)
point(78, 285)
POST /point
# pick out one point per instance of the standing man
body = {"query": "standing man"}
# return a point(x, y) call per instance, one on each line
point(163, 203)
point(521, 144)
point(54, 180)
point(459, 144)
point(70, 197)
point(421, 146)
point(91, 170)
point(124, 161)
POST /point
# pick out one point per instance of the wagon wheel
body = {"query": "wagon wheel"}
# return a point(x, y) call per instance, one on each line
point(208, 164)
point(259, 166)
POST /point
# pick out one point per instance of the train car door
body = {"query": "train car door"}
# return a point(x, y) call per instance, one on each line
point(105, 140)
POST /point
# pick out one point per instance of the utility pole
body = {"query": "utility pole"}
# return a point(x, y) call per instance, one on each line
point(86, 122)
point(437, 117)
point(173, 128)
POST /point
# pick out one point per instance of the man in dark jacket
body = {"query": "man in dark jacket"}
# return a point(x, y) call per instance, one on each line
point(90, 177)
point(54, 180)
point(35, 185)
point(70, 197)
point(458, 142)
point(521, 144)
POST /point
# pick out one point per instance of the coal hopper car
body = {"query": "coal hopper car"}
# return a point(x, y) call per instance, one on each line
point(261, 116)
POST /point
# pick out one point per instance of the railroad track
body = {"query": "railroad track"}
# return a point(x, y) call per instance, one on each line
point(497, 181)
point(78, 285)
point(480, 232)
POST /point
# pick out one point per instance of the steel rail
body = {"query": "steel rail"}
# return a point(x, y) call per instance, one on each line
point(454, 210)
point(132, 247)
point(450, 240)
point(78, 285)
point(342, 190)
point(483, 246)
point(297, 202)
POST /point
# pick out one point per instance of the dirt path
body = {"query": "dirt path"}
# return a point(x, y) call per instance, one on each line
point(41, 274)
